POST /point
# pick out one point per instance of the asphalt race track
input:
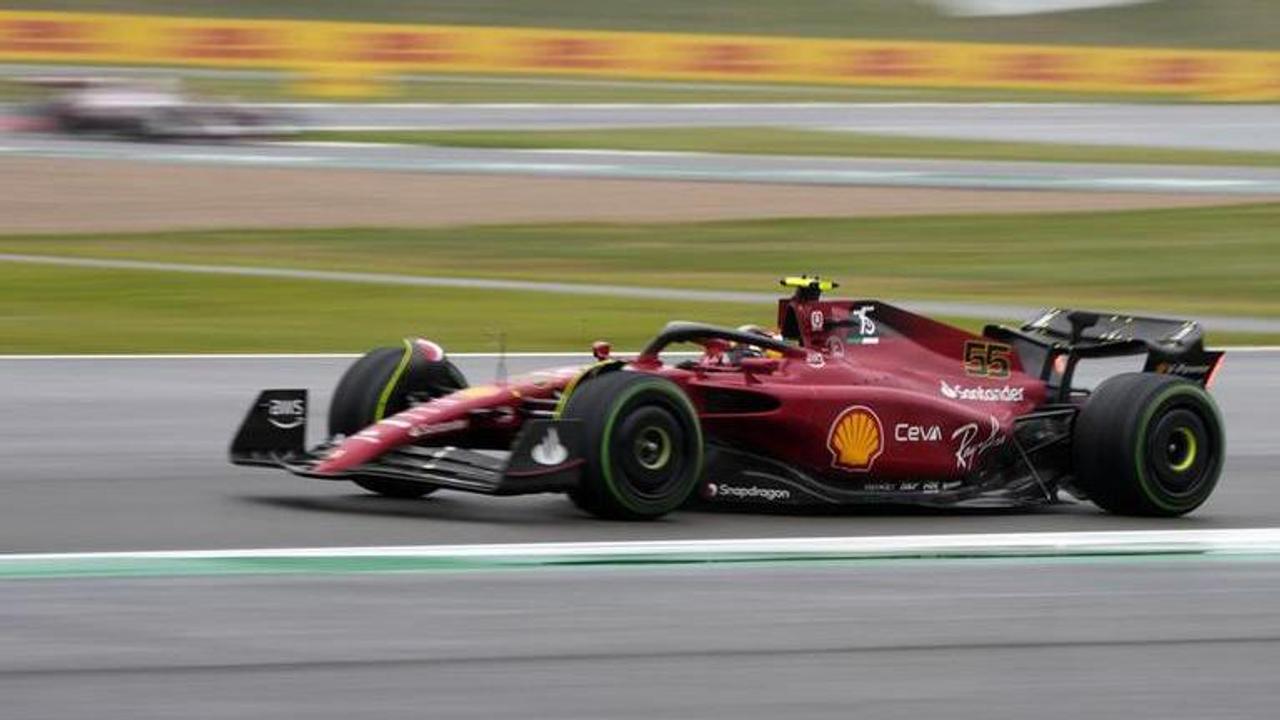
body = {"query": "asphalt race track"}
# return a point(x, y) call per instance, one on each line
point(1101, 177)
point(130, 455)
point(1161, 640)
point(1250, 127)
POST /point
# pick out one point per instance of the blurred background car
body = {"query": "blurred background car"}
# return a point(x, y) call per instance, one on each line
point(145, 109)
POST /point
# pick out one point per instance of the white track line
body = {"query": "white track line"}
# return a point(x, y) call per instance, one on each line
point(622, 291)
point(1254, 540)
point(832, 105)
point(334, 144)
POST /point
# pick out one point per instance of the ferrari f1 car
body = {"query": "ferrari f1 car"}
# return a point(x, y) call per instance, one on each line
point(850, 402)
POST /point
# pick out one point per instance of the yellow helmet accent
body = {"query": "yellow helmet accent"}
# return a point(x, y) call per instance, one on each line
point(805, 281)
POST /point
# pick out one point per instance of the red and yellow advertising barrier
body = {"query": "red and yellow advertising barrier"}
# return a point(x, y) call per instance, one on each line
point(359, 50)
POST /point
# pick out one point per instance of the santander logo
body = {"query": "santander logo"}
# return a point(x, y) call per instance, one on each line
point(1003, 393)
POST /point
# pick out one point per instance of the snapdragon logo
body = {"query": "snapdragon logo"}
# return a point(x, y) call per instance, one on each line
point(746, 492)
point(1003, 393)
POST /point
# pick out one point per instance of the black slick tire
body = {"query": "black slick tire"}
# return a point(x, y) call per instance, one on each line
point(1148, 444)
point(643, 445)
point(380, 384)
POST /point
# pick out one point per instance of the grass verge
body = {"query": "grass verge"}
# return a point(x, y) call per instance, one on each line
point(56, 310)
point(63, 310)
point(59, 310)
point(1202, 261)
point(784, 141)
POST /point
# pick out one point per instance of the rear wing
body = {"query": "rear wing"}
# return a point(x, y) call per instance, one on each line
point(1058, 339)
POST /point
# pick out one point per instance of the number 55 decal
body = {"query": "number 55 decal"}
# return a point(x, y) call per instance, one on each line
point(984, 359)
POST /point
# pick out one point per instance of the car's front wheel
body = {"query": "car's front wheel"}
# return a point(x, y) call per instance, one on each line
point(643, 445)
point(1148, 444)
point(379, 384)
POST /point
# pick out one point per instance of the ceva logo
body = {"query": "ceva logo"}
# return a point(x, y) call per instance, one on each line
point(906, 432)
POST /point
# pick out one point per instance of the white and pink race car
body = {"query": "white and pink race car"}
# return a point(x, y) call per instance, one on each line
point(145, 110)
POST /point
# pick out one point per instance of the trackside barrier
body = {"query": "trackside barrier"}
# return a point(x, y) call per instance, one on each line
point(354, 57)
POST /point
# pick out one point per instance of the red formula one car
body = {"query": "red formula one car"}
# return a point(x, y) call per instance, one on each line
point(853, 402)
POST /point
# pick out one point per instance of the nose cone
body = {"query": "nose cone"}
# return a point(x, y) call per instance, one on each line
point(435, 420)
point(365, 446)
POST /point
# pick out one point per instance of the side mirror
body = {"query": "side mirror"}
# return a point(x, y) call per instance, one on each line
point(601, 350)
point(759, 365)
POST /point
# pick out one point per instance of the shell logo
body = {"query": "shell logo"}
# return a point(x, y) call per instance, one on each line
point(856, 439)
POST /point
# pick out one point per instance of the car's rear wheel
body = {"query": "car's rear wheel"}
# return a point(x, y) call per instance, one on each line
point(643, 445)
point(1148, 444)
point(382, 383)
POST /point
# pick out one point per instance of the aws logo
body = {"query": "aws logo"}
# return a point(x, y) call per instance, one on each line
point(287, 413)
point(856, 439)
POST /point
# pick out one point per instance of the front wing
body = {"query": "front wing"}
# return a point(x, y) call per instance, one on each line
point(546, 455)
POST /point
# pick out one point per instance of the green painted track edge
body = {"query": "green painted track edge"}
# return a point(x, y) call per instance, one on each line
point(64, 568)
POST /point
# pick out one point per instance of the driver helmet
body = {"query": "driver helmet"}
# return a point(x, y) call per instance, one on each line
point(743, 350)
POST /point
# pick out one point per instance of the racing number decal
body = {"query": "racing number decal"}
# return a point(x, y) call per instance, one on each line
point(984, 359)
